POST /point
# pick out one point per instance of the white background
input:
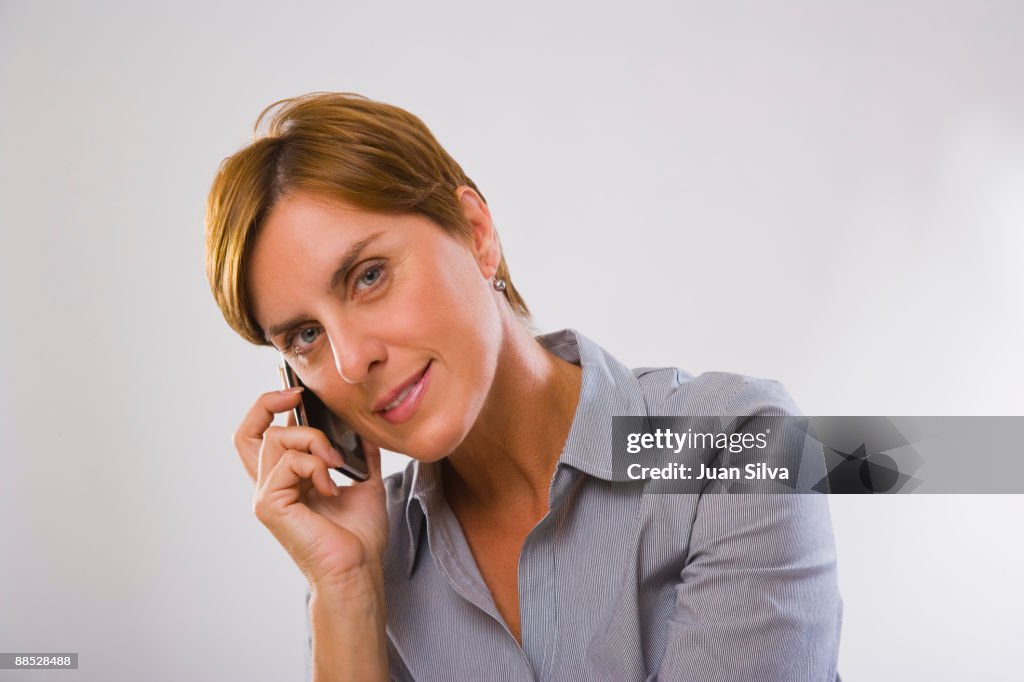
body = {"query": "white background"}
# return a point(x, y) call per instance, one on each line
point(830, 194)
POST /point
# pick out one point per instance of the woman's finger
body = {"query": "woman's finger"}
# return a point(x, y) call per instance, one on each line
point(279, 439)
point(280, 487)
point(248, 439)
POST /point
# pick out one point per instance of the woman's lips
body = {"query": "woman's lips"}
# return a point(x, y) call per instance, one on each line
point(413, 394)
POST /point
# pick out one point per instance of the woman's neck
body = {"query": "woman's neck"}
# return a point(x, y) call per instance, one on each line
point(510, 455)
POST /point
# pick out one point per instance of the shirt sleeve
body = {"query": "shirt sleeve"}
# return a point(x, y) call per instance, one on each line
point(757, 599)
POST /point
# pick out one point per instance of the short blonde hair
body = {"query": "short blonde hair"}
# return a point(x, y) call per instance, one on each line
point(375, 156)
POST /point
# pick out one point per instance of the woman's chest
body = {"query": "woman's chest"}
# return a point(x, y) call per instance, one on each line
point(590, 585)
point(496, 549)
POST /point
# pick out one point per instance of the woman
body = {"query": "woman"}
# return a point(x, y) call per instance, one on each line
point(347, 238)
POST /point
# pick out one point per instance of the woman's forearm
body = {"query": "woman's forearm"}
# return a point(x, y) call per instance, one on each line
point(347, 622)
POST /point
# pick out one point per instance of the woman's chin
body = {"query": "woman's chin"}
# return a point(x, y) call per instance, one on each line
point(433, 451)
point(433, 444)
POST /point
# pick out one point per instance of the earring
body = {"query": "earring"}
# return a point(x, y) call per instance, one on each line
point(498, 284)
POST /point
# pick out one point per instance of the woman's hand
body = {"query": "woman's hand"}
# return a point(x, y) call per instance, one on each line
point(328, 530)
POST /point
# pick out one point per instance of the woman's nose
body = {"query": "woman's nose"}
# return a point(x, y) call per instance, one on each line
point(355, 354)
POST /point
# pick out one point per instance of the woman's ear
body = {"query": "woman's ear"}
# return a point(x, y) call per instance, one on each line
point(486, 247)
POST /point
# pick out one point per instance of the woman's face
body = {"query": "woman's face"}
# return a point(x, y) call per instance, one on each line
point(390, 302)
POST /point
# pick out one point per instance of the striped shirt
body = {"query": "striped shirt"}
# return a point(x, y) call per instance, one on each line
point(615, 584)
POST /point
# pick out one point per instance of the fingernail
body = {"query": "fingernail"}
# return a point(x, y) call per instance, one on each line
point(337, 489)
point(293, 390)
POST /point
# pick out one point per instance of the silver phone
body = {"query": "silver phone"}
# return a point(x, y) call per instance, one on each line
point(311, 411)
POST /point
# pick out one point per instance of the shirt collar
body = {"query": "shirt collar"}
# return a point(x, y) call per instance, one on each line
point(608, 389)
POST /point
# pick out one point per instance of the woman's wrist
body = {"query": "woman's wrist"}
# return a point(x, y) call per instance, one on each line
point(360, 582)
point(348, 617)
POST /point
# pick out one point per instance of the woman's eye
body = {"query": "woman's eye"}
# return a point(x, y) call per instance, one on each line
point(304, 339)
point(370, 277)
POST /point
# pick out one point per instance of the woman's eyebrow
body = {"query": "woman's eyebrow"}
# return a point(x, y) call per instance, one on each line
point(347, 261)
point(351, 256)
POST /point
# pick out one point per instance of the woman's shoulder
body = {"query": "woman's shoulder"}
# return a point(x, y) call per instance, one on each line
point(671, 391)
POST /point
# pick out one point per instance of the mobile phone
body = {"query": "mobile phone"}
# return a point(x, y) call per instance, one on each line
point(311, 411)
